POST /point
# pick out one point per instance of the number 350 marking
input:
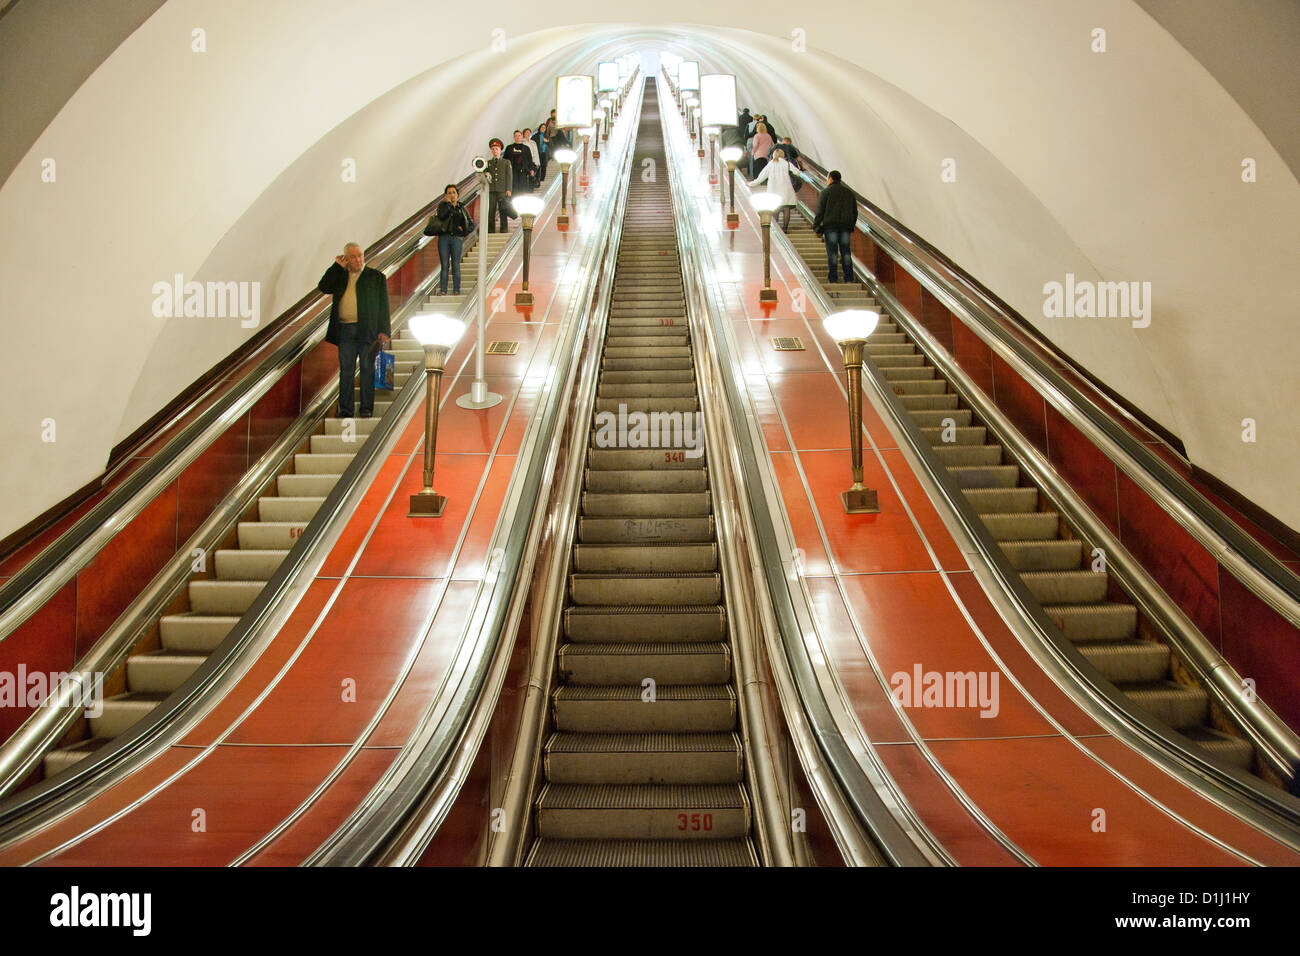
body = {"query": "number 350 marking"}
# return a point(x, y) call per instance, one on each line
point(695, 821)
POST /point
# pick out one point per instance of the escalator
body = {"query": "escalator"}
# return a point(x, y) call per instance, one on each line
point(644, 764)
point(238, 570)
point(1088, 607)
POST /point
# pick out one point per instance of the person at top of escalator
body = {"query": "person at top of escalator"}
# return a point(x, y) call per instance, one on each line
point(358, 322)
point(521, 164)
point(542, 143)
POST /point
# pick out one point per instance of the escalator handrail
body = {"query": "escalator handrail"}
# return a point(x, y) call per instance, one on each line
point(422, 781)
point(992, 321)
point(29, 807)
point(42, 577)
point(1279, 744)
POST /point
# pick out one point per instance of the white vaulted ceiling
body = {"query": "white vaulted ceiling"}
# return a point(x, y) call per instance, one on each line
point(225, 165)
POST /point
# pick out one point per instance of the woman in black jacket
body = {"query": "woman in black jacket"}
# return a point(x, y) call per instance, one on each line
point(451, 223)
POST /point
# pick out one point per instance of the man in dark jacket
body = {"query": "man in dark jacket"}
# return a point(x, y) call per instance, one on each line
point(837, 215)
point(358, 317)
point(522, 166)
point(500, 180)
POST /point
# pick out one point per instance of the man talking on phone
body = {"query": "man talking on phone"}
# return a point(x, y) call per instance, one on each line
point(358, 323)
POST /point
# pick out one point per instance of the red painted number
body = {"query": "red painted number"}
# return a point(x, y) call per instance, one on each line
point(674, 456)
point(667, 322)
point(695, 821)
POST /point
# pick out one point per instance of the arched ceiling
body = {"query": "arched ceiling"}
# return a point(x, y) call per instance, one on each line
point(225, 165)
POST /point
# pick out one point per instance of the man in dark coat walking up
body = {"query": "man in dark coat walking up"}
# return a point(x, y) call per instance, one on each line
point(837, 215)
point(358, 317)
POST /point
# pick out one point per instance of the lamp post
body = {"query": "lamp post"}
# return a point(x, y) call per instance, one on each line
point(599, 116)
point(437, 333)
point(850, 330)
point(565, 158)
point(695, 113)
point(692, 104)
point(478, 395)
point(529, 208)
point(585, 133)
point(712, 133)
point(766, 204)
point(731, 155)
point(607, 115)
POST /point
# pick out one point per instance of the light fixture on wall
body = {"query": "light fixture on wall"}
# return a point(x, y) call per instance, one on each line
point(438, 334)
point(850, 330)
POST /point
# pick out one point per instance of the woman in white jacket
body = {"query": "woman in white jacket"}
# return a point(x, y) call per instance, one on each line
point(777, 176)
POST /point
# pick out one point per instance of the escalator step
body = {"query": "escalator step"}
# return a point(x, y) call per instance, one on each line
point(656, 556)
point(630, 662)
point(642, 811)
point(644, 623)
point(644, 758)
point(654, 853)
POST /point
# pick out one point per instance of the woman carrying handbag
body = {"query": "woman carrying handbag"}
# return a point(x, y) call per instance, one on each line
point(451, 223)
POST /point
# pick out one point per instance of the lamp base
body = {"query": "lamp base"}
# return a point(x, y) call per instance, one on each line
point(733, 220)
point(595, 154)
point(523, 298)
point(427, 505)
point(562, 221)
point(700, 153)
point(766, 295)
point(478, 397)
point(861, 502)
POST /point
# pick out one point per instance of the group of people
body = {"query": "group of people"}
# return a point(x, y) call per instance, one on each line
point(773, 163)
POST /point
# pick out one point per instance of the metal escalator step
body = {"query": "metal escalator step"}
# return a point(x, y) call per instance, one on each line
point(920, 386)
point(161, 671)
point(1174, 704)
point(223, 597)
point(305, 486)
point(1042, 555)
point(1025, 526)
point(626, 530)
point(648, 377)
point(649, 853)
point(630, 662)
point(1094, 622)
point(644, 758)
point(647, 588)
point(247, 565)
point(613, 504)
point(666, 363)
point(914, 403)
point(647, 390)
point(640, 481)
point(1002, 500)
point(628, 405)
point(56, 761)
point(124, 710)
point(642, 811)
point(1128, 662)
point(985, 476)
point(641, 459)
point(956, 435)
point(659, 353)
point(287, 509)
point(1067, 587)
point(624, 709)
point(646, 623)
point(653, 556)
point(272, 535)
point(194, 633)
point(307, 464)
point(1227, 748)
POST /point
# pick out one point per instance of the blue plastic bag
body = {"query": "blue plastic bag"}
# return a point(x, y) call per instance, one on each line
point(384, 365)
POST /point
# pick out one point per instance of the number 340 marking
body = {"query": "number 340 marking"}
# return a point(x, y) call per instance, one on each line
point(695, 821)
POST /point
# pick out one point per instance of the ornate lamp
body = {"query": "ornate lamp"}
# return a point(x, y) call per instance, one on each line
point(850, 330)
point(438, 334)
point(766, 204)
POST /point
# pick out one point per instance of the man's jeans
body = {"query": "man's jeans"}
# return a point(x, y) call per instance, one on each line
point(352, 349)
point(497, 207)
point(449, 252)
point(839, 238)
